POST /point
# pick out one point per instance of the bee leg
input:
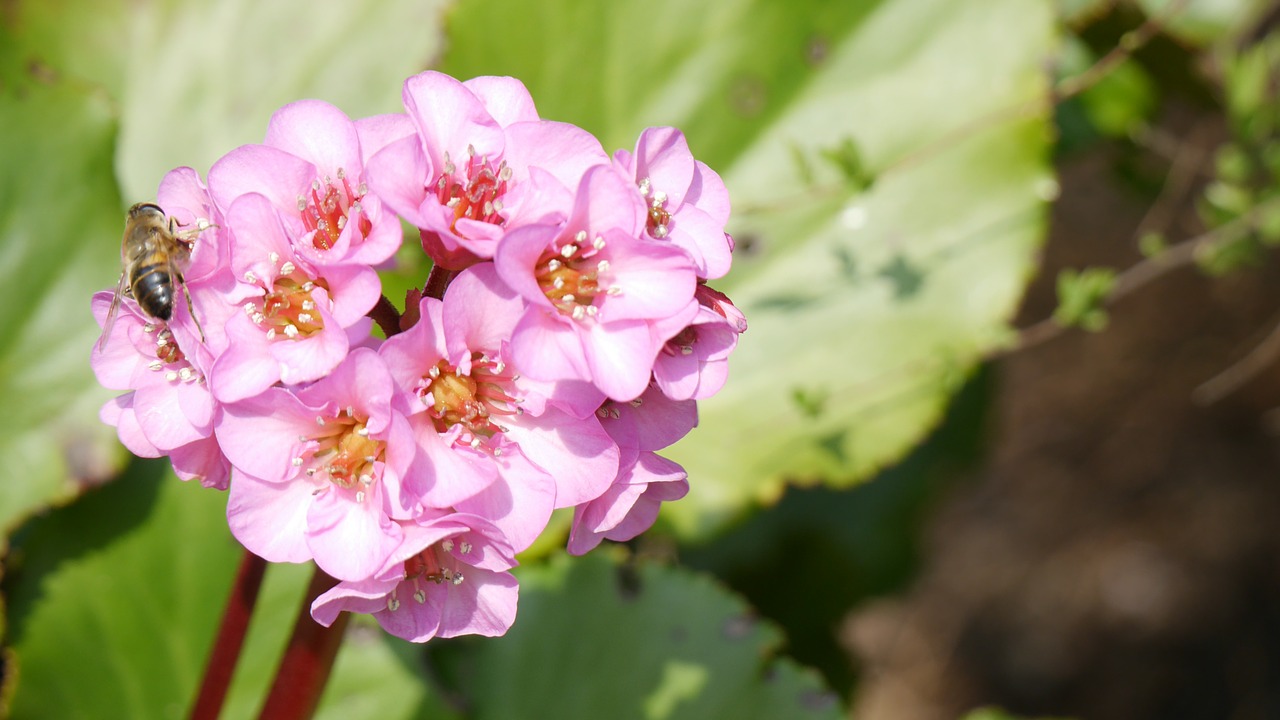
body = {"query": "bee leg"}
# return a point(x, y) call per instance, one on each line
point(191, 309)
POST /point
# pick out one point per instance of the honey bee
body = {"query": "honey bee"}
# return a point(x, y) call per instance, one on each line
point(154, 253)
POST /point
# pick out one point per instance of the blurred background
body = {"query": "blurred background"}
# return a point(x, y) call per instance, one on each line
point(1001, 434)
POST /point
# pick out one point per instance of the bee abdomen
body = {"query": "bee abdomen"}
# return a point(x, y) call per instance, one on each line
point(153, 289)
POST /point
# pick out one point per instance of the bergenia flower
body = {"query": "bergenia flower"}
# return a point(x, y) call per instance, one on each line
point(482, 163)
point(686, 201)
point(319, 470)
point(514, 461)
point(562, 340)
point(631, 504)
point(448, 578)
point(168, 409)
point(298, 320)
point(694, 363)
point(311, 168)
point(594, 289)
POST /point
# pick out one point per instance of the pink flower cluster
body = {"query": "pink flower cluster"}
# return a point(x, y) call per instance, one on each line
point(572, 342)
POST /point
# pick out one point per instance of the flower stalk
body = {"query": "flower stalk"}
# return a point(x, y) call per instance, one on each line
point(226, 647)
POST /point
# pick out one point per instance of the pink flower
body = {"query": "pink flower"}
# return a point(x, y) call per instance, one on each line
point(694, 364)
point(687, 202)
point(649, 422)
point(298, 319)
point(208, 279)
point(447, 578)
point(168, 409)
point(514, 455)
point(311, 168)
point(482, 163)
point(318, 471)
point(631, 504)
point(595, 291)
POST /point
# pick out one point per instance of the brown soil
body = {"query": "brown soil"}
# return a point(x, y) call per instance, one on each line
point(1120, 555)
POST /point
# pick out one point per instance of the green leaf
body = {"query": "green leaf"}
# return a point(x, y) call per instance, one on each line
point(370, 658)
point(947, 112)
point(131, 581)
point(1081, 296)
point(203, 78)
point(91, 91)
point(678, 646)
point(1121, 100)
point(128, 583)
point(59, 229)
point(1204, 22)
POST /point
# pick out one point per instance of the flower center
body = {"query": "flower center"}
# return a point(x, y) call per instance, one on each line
point(327, 210)
point(169, 357)
point(475, 190)
point(470, 401)
point(570, 276)
point(287, 307)
point(436, 565)
point(659, 216)
point(682, 343)
point(344, 452)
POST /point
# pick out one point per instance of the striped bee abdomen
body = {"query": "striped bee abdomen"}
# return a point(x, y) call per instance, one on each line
point(153, 289)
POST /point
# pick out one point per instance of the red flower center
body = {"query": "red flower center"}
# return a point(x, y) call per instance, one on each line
point(327, 211)
point(475, 190)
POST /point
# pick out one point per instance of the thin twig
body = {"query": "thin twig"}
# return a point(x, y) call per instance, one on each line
point(1141, 274)
point(1259, 360)
point(1129, 43)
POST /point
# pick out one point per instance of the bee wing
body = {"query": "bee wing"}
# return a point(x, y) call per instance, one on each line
point(112, 311)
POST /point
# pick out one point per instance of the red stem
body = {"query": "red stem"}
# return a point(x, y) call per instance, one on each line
point(307, 660)
point(437, 281)
point(226, 648)
point(386, 315)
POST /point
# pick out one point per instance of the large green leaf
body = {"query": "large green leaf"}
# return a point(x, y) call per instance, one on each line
point(59, 219)
point(593, 641)
point(131, 581)
point(867, 305)
point(202, 78)
point(1204, 22)
point(95, 91)
point(116, 599)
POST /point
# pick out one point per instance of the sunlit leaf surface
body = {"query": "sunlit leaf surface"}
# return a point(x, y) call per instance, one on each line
point(888, 167)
